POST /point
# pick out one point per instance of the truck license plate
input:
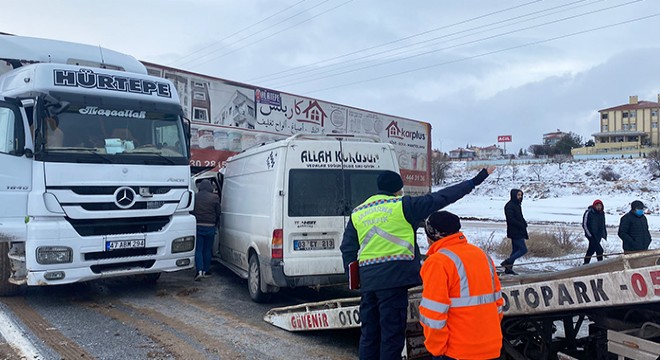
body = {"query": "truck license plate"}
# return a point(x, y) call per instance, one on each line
point(124, 244)
point(301, 245)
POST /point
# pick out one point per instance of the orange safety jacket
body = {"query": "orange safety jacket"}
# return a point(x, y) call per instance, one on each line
point(461, 305)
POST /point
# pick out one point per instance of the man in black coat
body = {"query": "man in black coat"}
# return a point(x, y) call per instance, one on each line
point(516, 230)
point(634, 229)
point(593, 223)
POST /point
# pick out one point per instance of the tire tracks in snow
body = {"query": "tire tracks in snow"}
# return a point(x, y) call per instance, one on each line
point(45, 331)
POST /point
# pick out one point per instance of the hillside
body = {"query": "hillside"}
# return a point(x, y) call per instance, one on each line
point(561, 193)
point(556, 197)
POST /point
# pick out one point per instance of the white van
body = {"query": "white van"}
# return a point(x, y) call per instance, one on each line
point(285, 206)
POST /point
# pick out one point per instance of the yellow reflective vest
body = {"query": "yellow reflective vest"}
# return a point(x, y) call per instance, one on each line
point(383, 231)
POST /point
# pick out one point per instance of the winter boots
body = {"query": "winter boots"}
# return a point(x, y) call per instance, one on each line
point(508, 267)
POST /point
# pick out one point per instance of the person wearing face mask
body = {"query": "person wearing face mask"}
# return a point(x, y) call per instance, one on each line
point(593, 223)
point(516, 230)
point(634, 229)
point(380, 237)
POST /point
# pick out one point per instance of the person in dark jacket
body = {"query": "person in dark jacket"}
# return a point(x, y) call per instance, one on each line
point(207, 214)
point(593, 223)
point(516, 230)
point(634, 229)
point(380, 235)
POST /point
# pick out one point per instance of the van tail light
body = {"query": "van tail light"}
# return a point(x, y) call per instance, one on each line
point(276, 244)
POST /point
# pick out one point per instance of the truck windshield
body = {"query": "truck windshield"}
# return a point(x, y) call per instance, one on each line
point(128, 134)
point(329, 192)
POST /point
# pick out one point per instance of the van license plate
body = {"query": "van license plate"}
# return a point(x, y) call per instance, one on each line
point(124, 244)
point(302, 245)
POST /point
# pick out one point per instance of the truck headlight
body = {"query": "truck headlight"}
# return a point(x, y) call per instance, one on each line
point(54, 255)
point(183, 244)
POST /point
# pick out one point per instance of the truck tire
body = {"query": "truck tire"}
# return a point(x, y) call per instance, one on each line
point(6, 288)
point(254, 281)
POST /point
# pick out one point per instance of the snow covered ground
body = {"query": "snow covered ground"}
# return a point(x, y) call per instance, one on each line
point(554, 196)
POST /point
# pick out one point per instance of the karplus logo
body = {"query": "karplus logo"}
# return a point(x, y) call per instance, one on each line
point(397, 132)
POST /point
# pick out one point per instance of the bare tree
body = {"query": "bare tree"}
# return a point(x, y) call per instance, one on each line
point(514, 170)
point(440, 163)
point(653, 159)
point(536, 169)
point(499, 173)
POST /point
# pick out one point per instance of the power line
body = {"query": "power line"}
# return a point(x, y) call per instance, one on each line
point(264, 77)
point(320, 71)
point(487, 53)
point(238, 32)
point(271, 34)
point(461, 44)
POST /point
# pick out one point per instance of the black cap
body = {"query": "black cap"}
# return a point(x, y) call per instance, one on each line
point(440, 224)
point(389, 181)
point(637, 205)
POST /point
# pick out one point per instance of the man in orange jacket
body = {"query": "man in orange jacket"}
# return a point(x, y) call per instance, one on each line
point(461, 306)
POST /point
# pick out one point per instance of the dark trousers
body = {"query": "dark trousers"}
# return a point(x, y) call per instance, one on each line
point(383, 315)
point(594, 247)
point(204, 247)
point(518, 249)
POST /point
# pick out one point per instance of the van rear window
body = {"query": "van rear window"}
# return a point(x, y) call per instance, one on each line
point(321, 192)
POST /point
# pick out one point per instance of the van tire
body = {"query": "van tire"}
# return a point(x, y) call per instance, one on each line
point(254, 281)
point(6, 288)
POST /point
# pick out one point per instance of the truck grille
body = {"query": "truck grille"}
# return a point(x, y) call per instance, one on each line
point(91, 227)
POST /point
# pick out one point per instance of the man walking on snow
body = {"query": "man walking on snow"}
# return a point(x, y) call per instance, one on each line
point(593, 223)
point(516, 230)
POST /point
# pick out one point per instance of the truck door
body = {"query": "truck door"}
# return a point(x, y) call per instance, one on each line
point(16, 176)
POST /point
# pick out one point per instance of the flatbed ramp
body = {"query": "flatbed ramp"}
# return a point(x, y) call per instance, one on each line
point(624, 281)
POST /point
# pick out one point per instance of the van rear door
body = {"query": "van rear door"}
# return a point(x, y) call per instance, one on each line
point(326, 179)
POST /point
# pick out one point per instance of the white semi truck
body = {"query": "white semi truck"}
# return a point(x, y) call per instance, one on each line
point(94, 167)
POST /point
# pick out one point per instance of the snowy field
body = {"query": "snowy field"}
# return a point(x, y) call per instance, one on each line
point(555, 196)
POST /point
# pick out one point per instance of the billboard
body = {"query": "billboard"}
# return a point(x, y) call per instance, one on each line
point(229, 117)
point(504, 138)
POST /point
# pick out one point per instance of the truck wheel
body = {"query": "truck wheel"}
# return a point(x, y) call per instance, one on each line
point(254, 281)
point(6, 288)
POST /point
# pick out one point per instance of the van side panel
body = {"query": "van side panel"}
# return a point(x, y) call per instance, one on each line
point(251, 207)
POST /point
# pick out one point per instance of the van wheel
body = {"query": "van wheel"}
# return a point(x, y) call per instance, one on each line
point(254, 281)
point(6, 288)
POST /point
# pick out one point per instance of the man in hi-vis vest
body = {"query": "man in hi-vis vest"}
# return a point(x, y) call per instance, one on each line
point(380, 235)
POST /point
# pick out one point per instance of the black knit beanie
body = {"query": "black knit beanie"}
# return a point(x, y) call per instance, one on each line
point(390, 181)
point(440, 224)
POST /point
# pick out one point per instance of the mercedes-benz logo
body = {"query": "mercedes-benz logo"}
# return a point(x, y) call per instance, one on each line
point(124, 197)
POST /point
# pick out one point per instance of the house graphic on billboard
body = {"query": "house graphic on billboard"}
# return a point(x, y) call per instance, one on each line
point(393, 130)
point(314, 114)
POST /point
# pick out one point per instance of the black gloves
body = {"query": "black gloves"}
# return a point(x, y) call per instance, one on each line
point(481, 176)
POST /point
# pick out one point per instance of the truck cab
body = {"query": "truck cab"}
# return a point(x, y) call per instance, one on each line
point(97, 163)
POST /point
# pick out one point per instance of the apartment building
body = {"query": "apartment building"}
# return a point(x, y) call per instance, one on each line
point(628, 129)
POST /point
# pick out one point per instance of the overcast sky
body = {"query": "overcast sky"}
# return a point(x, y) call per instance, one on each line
point(473, 69)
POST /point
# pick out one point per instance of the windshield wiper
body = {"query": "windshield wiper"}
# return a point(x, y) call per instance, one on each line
point(87, 150)
point(158, 154)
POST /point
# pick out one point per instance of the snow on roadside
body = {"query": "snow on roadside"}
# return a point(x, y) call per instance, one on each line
point(560, 197)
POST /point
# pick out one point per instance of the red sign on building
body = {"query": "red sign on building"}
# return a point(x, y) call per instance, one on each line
point(504, 138)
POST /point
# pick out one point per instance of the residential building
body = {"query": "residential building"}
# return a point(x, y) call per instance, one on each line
point(462, 154)
point(629, 129)
point(553, 137)
point(488, 152)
